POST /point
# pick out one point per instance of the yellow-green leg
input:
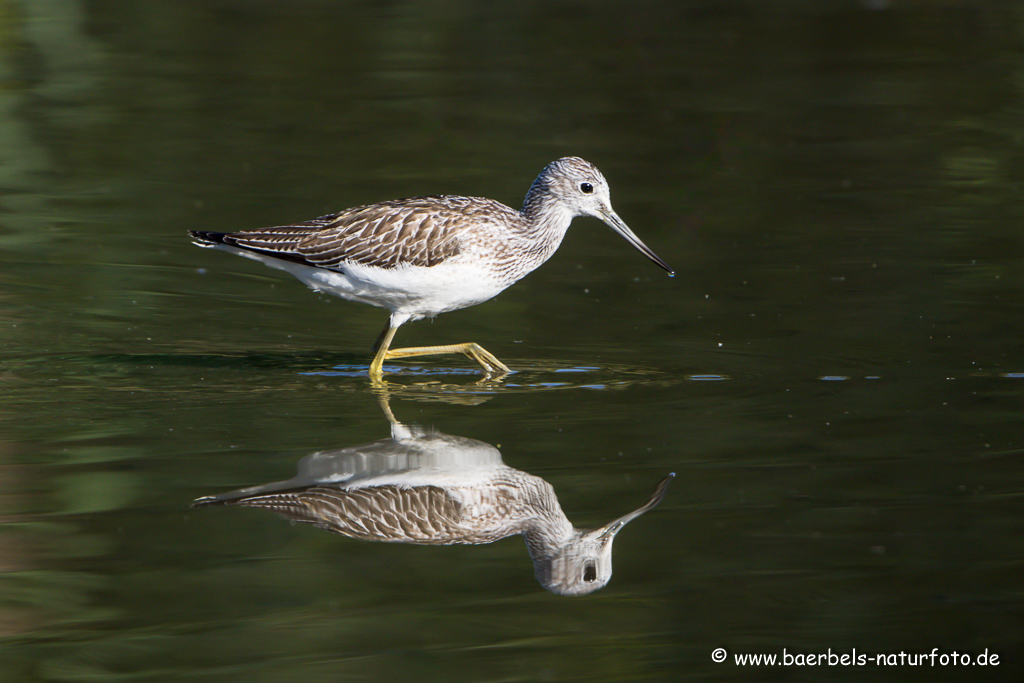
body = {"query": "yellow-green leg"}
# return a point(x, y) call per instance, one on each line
point(377, 366)
point(491, 365)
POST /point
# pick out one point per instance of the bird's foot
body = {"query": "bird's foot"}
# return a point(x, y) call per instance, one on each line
point(492, 367)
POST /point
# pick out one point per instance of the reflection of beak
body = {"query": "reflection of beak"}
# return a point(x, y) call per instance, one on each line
point(608, 531)
point(609, 217)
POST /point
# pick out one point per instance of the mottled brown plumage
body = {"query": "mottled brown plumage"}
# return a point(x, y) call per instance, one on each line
point(422, 515)
point(420, 231)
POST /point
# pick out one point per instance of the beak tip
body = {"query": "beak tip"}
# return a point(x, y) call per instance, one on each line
point(612, 219)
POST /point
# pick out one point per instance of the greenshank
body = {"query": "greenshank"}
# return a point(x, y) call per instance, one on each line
point(427, 255)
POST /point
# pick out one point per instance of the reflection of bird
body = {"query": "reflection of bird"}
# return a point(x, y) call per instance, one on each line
point(428, 255)
point(429, 488)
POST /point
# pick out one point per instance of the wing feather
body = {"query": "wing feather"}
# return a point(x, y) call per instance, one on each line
point(421, 231)
point(424, 515)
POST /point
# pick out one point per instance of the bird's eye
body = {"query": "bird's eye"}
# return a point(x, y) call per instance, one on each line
point(589, 573)
point(586, 188)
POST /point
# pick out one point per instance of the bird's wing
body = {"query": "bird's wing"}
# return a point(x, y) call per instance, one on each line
point(422, 231)
point(424, 515)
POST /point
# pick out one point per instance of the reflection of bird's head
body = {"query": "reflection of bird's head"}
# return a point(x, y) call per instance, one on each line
point(584, 564)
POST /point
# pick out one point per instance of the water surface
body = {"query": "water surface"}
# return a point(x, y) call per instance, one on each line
point(835, 375)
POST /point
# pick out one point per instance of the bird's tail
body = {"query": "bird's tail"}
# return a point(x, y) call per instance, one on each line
point(205, 238)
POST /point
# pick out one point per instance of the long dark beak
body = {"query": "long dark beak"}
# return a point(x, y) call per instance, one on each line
point(610, 217)
point(609, 530)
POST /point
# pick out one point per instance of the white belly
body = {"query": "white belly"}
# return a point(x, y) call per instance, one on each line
point(411, 292)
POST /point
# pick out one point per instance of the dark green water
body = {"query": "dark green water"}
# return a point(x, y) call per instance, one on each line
point(836, 375)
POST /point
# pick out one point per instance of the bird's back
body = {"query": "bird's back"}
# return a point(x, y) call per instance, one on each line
point(419, 231)
point(420, 515)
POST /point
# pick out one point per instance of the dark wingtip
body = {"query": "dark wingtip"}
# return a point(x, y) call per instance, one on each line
point(206, 237)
